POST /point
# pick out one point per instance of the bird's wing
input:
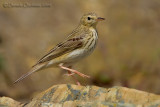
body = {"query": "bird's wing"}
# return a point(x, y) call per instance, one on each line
point(63, 48)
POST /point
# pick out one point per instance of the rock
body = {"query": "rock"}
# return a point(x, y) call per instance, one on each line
point(88, 96)
point(8, 102)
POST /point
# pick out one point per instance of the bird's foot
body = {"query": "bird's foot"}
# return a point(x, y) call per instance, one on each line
point(71, 74)
point(73, 71)
point(78, 83)
point(81, 74)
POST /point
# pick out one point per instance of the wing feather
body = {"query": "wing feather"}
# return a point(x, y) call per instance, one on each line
point(62, 48)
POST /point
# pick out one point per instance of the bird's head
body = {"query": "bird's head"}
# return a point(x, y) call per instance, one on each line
point(90, 19)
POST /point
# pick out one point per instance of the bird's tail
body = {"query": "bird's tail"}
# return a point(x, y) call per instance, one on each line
point(34, 69)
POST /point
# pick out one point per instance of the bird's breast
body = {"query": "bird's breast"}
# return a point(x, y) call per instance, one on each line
point(92, 40)
point(87, 49)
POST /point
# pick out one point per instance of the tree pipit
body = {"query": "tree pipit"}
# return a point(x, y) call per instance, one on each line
point(79, 44)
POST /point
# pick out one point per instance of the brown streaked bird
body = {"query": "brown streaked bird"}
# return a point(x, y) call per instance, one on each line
point(79, 44)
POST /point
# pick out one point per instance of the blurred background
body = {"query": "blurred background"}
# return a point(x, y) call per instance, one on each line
point(128, 52)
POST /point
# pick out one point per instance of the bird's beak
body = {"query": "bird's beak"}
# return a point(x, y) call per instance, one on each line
point(100, 19)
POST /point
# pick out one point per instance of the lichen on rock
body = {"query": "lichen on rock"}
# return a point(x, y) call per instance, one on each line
point(67, 95)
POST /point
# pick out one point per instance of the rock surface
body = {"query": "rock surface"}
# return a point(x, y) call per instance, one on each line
point(87, 96)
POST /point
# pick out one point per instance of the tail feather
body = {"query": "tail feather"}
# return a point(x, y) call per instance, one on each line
point(34, 69)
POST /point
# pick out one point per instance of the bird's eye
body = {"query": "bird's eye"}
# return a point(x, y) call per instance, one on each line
point(89, 18)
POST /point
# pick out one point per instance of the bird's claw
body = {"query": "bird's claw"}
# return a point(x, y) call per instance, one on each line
point(69, 74)
point(83, 75)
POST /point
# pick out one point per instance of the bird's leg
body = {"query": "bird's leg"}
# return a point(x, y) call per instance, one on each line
point(72, 74)
point(73, 71)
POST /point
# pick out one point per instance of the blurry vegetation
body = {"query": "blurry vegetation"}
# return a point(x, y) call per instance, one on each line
point(128, 52)
point(103, 79)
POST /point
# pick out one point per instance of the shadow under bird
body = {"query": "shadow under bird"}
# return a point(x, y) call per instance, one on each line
point(79, 44)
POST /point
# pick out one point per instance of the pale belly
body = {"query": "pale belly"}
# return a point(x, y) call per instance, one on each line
point(70, 58)
point(77, 54)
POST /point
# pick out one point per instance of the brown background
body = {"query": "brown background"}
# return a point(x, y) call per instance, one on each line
point(128, 52)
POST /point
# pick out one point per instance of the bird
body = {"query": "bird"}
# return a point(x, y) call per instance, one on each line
point(77, 45)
